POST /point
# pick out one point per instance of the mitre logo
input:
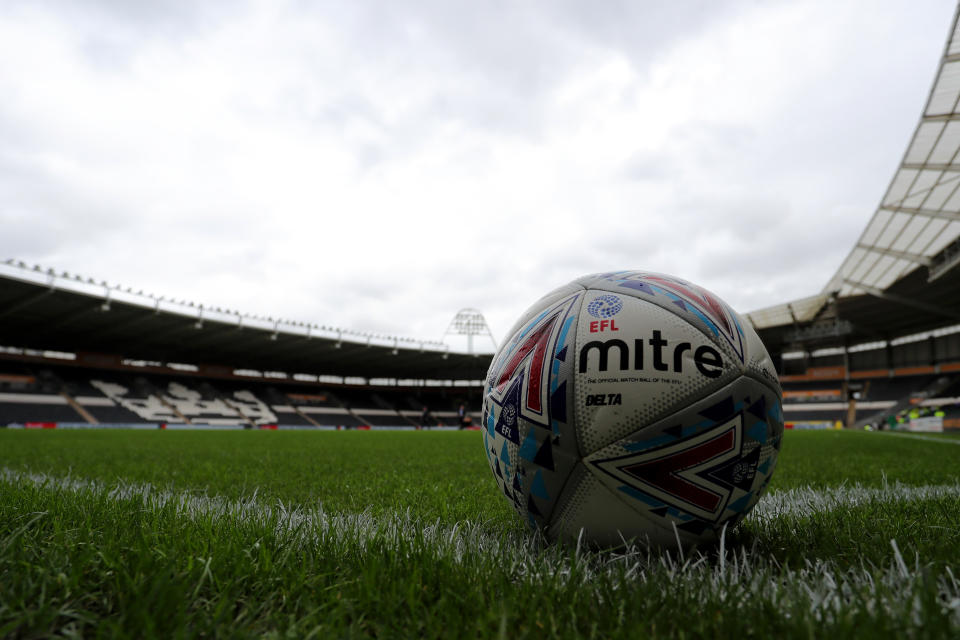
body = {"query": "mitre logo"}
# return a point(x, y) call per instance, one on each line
point(660, 356)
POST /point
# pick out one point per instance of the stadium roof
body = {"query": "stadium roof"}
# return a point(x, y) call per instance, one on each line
point(919, 217)
point(41, 310)
point(910, 306)
point(900, 276)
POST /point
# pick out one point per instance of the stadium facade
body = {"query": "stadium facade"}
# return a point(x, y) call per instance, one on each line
point(879, 344)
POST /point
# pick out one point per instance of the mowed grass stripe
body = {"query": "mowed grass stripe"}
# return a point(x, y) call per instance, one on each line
point(791, 506)
point(435, 475)
point(396, 575)
point(917, 436)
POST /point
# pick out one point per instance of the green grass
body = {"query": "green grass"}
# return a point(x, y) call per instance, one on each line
point(434, 474)
point(435, 551)
point(952, 434)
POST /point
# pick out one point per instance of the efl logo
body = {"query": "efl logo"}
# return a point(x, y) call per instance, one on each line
point(604, 307)
point(603, 325)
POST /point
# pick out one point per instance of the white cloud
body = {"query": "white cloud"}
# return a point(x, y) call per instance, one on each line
point(379, 168)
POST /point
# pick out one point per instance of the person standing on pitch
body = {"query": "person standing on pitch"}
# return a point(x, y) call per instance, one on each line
point(425, 418)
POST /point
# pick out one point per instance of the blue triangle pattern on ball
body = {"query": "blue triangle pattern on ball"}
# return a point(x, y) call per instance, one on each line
point(558, 402)
point(758, 432)
point(544, 456)
point(776, 412)
point(638, 285)
point(538, 487)
point(759, 408)
point(641, 496)
point(675, 431)
point(741, 503)
point(528, 450)
point(720, 411)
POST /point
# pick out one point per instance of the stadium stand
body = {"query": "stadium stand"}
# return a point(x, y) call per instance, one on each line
point(876, 395)
point(51, 392)
point(62, 394)
point(31, 398)
point(36, 408)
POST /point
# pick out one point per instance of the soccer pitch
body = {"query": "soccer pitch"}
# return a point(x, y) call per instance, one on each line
point(403, 534)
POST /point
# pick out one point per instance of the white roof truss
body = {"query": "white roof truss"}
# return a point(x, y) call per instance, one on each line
point(920, 213)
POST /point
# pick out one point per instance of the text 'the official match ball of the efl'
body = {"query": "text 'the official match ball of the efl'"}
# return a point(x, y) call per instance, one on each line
point(632, 407)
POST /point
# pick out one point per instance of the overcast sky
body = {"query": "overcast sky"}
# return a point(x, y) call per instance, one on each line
point(380, 165)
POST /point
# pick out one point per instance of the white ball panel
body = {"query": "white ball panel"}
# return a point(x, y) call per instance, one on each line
point(703, 466)
point(698, 306)
point(606, 519)
point(758, 362)
point(645, 392)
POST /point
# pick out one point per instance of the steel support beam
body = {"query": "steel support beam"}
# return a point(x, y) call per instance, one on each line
point(133, 321)
point(910, 302)
point(945, 117)
point(946, 260)
point(912, 257)
point(26, 301)
point(41, 332)
point(930, 213)
point(157, 338)
point(212, 333)
point(931, 166)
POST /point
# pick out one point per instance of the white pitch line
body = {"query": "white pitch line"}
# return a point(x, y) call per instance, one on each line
point(304, 523)
point(806, 501)
point(827, 588)
point(792, 503)
point(920, 437)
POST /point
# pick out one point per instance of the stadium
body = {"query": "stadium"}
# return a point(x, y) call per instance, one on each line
point(139, 498)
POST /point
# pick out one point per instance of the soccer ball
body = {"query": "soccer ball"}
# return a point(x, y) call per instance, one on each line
point(632, 407)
